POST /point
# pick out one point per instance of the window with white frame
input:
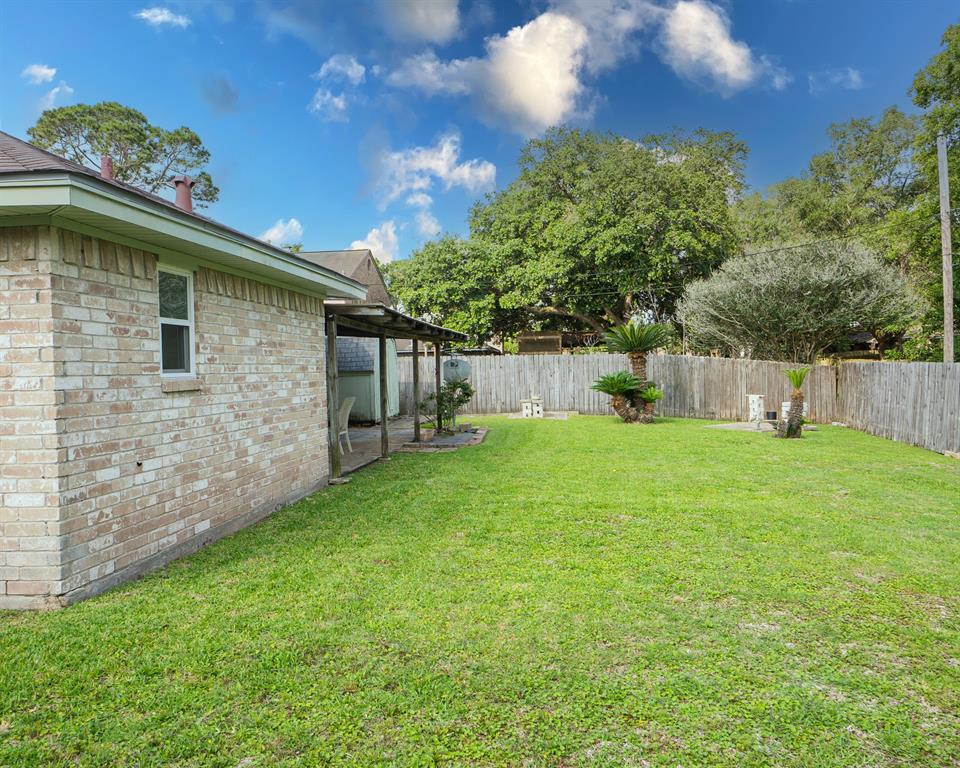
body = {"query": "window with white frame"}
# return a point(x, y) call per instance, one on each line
point(176, 321)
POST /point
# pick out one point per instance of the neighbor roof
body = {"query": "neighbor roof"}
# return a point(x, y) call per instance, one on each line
point(345, 262)
point(357, 264)
point(19, 158)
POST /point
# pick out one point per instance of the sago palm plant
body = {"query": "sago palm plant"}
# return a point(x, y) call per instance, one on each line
point(635, 340)
point(648, 396)
point(621, 386)
point(793, 426)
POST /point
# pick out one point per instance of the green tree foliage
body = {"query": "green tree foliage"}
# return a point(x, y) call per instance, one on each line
point(936, 90)
point(595, 230)
point(650, 394)
point(618, 384)
point(867, 175)
point(453, 395)
point(879, 181)
point(144, 155)
point(797, 303)
point(452, 282)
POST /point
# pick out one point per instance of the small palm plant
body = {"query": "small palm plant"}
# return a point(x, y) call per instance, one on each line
point(792, 426)
point(649, 396)
point(621, 386)
point(635, 340)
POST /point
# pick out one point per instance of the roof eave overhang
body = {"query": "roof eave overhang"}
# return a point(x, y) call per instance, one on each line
point(74, 198)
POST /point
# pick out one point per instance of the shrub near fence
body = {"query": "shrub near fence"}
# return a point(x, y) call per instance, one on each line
point(916, 403)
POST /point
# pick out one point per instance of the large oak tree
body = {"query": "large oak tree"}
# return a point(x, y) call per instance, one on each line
point(595, 229)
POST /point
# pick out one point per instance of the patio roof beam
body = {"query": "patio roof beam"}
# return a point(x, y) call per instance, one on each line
point(437, 374)
point(415, 358)
point(333, 400)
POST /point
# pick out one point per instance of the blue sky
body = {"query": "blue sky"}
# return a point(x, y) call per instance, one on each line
point(380, 123)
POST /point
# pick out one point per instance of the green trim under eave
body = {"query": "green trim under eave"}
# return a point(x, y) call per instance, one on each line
point(202, 240)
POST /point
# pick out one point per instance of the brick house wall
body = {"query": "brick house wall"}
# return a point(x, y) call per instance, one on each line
point(148, 469)
point(29, 484)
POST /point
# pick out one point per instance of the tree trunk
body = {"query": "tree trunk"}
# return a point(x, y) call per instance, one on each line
point(624, 410)
point(638, 366)
point(793, 425)
point(594, 322)
point(646, 415)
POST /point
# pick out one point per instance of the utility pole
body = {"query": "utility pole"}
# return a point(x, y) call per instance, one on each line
point(946, 246)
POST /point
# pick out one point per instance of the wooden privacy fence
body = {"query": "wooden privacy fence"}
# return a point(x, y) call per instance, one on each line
point(717, 387)
point(502, 381)
point(916, 403)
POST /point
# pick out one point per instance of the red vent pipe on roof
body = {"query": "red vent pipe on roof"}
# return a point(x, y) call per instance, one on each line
point(184, 187)
point(106, 167)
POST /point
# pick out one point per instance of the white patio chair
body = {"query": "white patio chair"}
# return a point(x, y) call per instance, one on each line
point(343, 420)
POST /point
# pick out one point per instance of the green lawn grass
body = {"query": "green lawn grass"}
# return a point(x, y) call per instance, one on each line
point(579, 593)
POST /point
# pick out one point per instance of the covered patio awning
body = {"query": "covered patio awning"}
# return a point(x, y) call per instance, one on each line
point(377, 321)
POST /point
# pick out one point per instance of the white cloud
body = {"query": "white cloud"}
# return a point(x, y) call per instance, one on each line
point(420, 200)
point(329, 106)
point(429, 74)
point(341, 66)
point(779, 77)
point(846, 78)
point(158, 17)
point(61, 91)
point(38, 74)
point(427, 224)
point(382, 241)
point(612, 27)
point(427, 21)
point(529, 78)
point(698, 45)
point(412, 171)
point(533, 76)
point(283, 232)
point(302, 20)
point(533, 73)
